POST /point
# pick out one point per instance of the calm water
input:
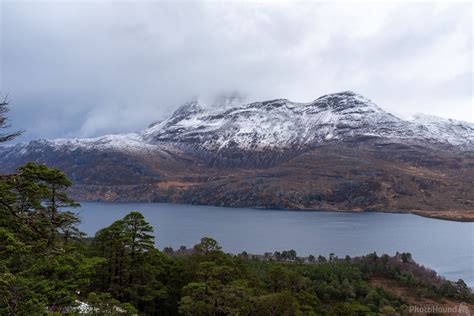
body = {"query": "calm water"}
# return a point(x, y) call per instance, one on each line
point(447, 247)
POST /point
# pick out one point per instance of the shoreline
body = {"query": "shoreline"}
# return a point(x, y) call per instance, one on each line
point(454, 216)
point(466, 216)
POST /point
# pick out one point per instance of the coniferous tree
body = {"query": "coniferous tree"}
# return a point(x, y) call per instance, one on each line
point(4, 137)
point(133, 266)
point(48, 268)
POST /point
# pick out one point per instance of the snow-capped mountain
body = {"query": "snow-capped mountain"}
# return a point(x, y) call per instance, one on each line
point(283, 124)
point(122, 142)
point(274, 124)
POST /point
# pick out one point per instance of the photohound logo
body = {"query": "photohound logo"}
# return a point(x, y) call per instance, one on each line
point(461, 309)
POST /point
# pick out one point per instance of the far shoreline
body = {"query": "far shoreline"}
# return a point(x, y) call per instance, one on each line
point(455, 216)
point(466, 216)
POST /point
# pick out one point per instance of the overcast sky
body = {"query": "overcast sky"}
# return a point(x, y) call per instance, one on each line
point(80, 69)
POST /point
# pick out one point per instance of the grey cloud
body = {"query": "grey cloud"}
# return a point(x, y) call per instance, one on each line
point(88, 68)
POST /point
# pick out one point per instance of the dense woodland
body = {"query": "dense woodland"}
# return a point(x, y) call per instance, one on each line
point(48, 267)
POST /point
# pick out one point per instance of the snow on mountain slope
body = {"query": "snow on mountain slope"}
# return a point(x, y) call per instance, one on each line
point(449, 130)
point(127, 142)
point(283, 124)
point(274, 124)
point(131, 142)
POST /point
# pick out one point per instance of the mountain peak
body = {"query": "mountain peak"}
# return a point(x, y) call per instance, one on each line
point(347, 93)
point(189, 107)
point(345, 100)
point(280, 123)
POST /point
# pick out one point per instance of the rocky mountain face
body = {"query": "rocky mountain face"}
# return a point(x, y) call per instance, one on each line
point(339, 152)
point(282, 124)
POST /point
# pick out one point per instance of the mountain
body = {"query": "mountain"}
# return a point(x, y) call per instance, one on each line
point(339, 152)
point(284, 124)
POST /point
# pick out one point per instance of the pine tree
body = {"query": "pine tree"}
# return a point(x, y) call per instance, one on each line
point(4, 122)
point(138, 233)
point(41, 264)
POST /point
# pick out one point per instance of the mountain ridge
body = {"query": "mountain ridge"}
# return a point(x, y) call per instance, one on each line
point(281, 123)
point(192, 116)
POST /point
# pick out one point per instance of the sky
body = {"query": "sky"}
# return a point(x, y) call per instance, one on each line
point(89, 68)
